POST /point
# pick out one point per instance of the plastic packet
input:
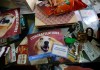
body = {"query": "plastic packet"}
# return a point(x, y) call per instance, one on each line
point(68, 6)
point(60, 6)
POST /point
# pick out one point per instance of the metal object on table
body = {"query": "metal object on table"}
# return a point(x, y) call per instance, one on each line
point(82, 37)
point(89, 32)
point(88, 35)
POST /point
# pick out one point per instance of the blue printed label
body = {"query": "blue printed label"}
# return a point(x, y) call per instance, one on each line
point(40, 56)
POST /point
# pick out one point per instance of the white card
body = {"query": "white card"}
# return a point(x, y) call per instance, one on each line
point(2, 50)
point(13, 53)
point(87, 13)
point(91, 51)
point(60, 50)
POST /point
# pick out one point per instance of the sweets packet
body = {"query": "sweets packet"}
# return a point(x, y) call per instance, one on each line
point(9, 23)
point(41, 43)
point(63, 6)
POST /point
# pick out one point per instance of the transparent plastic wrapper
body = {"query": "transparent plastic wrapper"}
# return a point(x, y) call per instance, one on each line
point(90, 19)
